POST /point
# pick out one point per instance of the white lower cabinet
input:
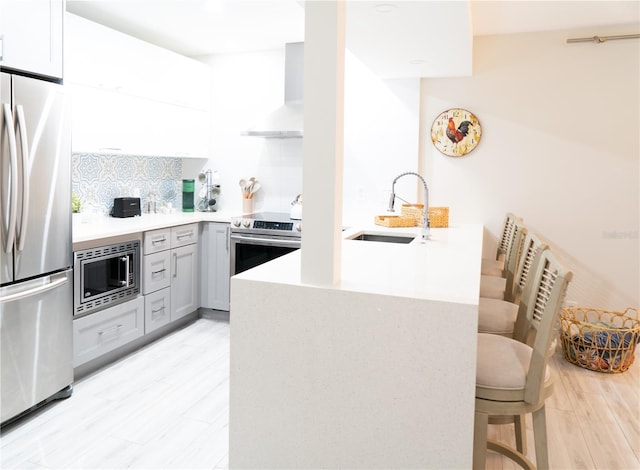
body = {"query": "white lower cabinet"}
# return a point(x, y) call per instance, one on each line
point(215, 269)
point(106, 330)
point(171, 261)
point(184, 281)
point(157, 309)
point(170, 287)
point(156, 272)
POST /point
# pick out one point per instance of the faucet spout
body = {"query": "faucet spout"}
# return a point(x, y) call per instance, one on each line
point(426, 225)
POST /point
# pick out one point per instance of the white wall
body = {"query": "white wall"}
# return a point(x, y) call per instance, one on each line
point(381, 135)
point(560, 147)
point(246, 87)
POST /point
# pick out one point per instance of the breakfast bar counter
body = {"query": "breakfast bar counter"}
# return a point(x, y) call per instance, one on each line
point(376, 372)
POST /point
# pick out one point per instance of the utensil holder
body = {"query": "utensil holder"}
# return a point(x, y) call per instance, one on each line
point(247, 206)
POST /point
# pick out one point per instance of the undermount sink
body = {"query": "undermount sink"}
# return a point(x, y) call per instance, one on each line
point(373, 237)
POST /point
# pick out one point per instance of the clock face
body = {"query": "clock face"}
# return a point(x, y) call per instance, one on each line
point(456, 132)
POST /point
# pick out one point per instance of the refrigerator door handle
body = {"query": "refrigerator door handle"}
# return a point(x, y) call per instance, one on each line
point(24, 145)
point(36, 290)
point(13, 162)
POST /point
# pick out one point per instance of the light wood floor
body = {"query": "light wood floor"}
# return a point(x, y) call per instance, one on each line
point(166, 406)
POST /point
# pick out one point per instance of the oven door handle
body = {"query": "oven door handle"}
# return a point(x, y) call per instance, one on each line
point(270, 241)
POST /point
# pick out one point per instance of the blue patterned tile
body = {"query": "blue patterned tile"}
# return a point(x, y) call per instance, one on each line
point(154, 169)
point(124, 169)
point(97, 179)
point(168, 190)
point(89, 169)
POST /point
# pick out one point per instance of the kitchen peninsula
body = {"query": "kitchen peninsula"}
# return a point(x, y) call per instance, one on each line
point(377, 372)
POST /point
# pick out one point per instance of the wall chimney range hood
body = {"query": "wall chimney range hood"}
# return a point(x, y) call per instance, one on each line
point(286, 121)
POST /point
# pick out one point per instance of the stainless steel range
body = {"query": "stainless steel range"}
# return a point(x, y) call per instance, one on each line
point(261, 237)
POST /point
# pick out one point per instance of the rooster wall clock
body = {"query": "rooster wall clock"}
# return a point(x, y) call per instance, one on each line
point(456, 132)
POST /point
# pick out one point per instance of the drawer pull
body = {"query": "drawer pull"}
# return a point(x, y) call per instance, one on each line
point(159, 240)
point(182, 235)
point(155, 273)
point(156, 313)
point(114, 329)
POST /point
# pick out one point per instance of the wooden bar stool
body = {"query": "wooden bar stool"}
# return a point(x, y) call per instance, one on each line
point(496, 267)
point(512, 377)
point(498, 316)
point(501, 287)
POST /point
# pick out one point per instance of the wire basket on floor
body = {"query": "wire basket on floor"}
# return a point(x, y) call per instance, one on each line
point(600, 340)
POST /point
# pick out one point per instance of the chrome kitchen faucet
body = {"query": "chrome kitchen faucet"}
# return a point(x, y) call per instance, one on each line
point(426, 226)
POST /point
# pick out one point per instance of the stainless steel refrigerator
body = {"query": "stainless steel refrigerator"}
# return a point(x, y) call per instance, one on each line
point(36, 257)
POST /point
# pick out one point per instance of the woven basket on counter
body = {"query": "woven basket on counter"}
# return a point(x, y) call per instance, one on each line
point(600, 340)
point(394, 221)
point(438, 216)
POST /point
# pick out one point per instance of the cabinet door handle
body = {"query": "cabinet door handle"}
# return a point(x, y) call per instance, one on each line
point(227, 237)
point(175, 265)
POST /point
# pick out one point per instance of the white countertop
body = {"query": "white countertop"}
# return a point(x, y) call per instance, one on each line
point(88, 228)
point(444, 268)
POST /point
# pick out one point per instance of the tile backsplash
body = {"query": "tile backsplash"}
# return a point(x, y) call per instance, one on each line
point(98, 178)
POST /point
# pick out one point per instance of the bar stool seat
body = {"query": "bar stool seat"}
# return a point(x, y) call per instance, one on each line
point(502, 368)
point(496, 316)
point(492, 287)
point(492, 267)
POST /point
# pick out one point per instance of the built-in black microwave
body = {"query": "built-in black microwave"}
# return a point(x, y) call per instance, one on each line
point(106, 276)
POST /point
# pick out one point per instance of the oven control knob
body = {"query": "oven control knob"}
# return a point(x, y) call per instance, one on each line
point(246, 223)
point(236, 223)
point(299, 227)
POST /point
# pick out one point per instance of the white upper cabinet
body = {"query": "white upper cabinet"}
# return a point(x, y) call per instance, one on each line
point(133, 97)
point(31, 36)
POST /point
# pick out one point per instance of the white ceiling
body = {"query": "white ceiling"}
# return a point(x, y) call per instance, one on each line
point(414, 34)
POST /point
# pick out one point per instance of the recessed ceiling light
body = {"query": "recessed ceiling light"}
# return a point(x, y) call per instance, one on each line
point(385, 7)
